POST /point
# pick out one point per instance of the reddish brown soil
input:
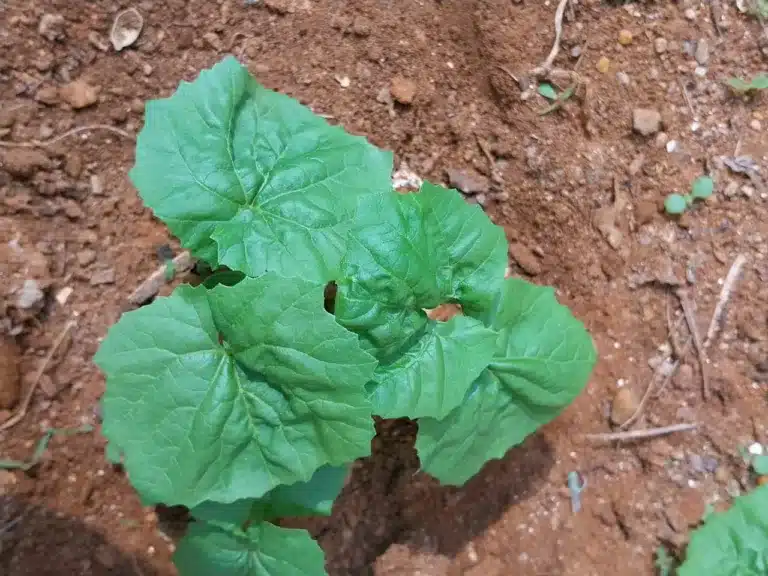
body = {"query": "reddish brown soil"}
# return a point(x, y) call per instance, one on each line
point(554, 173)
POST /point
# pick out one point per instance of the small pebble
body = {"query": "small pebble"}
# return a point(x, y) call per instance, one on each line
point(623, 78)
point(702, 52)
point(646, 121)
point(700, 71)
point(575, 52)
point(755, 125)
point(672, 146)
point(625, 37)
point(660, 45)
point(756, 449)
point(603, 64)
point(690, 14)
point(30, 295)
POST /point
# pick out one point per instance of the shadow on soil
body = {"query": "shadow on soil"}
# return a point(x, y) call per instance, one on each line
point(35, 541)
point(387, 501)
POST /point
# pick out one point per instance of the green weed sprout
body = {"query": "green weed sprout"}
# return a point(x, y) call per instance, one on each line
point(701, 190)
point(742, 87)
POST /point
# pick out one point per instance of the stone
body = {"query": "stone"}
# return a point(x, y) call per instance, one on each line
point(86, 257)
point(30, 295)
point(101, 277)
point(48, 95)
point(72, 210)
point(24, 162)
point(690, 14)
point(623, 406)
point(702, 52)
point(625, 37)
point(74, 165)
point(10, 374)
point(646, 121)
point(603, 65)
point(755, 125)
point(467, 182)
point(79, 94)
point(623, 78)
point(213, 40)
point(525, 258)
point(51, 27)
point(660, 45)
point(403, 90)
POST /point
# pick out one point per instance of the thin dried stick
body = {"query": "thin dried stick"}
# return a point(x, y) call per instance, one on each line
point(687, 98)
point(151, 286)
point(67, 134)
point(649, 388)
point(725, 295)
point(543, 69)
point(640, 434)
point(690, 318)
point(24, 406)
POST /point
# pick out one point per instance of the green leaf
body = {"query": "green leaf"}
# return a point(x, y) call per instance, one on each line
point(702, 187)
point(732, 543)
point(543, 360)
point(261, 550)
point(225, 394)
point(312, 498)
point(760, 464)
point(407, 253)
point(738, 84)
point(675, 204)
point(760, 82)
point(250, 178)
point(547, 91)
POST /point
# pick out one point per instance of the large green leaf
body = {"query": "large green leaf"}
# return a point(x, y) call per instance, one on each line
point(542, 361)
point(732, 543)
point(312, 498)
point(251, 178)
point(262, 549)
point(408, 252)
point(225, 394)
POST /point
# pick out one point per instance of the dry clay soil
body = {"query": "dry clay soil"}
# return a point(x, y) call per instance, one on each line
point(577, 190)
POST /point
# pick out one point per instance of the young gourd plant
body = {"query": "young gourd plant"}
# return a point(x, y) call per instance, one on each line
point(242, 398)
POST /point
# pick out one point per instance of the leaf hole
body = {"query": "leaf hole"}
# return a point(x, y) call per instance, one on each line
point(329, 302)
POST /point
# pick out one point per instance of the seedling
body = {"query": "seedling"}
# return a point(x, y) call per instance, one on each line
point(242, 398)
point(549, 93)
point(742, 87)
point(679, 203)
point(41, 447)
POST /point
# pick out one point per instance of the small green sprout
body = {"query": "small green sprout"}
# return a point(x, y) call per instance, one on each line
point(548, 91)
point(701, 190)
point(744, 88)
point(558, 100)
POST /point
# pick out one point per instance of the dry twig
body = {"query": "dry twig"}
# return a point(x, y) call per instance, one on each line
point(546, 66)
point(640, 434)
point(67, 134)
point(24, 406)
point(725, 295)
point(690, 318)
point(151, 286)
